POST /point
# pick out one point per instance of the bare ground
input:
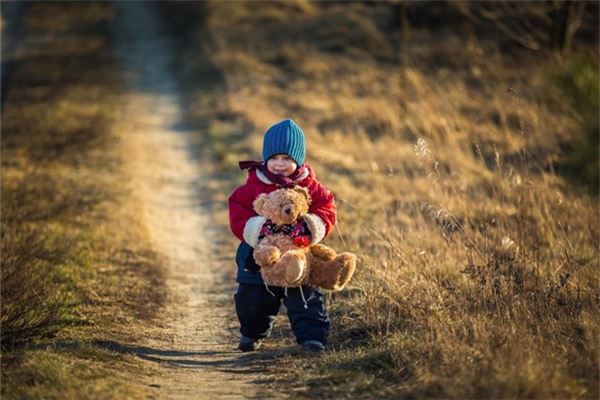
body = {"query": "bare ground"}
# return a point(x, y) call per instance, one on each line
point(192, 346)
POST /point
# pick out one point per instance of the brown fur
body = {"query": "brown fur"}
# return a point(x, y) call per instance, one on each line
point(284, 264)
point(274, 205)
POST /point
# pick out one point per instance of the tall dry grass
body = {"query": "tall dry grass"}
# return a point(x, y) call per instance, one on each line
point(75, 267)
point(479, 262)
point(50, 126)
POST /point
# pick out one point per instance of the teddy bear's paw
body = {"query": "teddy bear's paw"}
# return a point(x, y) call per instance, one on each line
point(266, 255)
point(347, 266)
point(294, 266)
point(322, 252)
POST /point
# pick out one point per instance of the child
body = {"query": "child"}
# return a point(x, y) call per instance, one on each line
point(256, 304)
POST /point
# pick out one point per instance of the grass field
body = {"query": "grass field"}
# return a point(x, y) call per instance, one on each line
point(454, 163)
point(465, 170)
point(75, 268)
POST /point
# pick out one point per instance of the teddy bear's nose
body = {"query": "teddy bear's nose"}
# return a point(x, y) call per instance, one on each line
point(287, 210)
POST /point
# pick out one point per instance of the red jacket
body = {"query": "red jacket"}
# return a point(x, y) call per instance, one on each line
point(246, 224)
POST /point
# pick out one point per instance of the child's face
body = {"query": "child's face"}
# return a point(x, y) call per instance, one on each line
point(281, 164)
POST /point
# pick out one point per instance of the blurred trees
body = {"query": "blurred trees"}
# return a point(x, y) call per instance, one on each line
point(567, 18)
point(577, 78)
point(534, 25)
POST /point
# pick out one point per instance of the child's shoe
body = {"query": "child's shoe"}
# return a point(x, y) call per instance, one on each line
point(314, 346)
point(249, 344)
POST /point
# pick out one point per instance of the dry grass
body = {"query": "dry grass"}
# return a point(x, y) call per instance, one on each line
point(75, 268)
point(479, 273)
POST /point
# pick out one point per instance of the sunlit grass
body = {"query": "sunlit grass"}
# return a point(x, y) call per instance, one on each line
point(478, 274)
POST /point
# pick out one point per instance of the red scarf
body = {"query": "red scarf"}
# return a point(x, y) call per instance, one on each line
point(285, 181)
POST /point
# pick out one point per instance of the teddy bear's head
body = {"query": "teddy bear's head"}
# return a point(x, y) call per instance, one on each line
point(283, 206)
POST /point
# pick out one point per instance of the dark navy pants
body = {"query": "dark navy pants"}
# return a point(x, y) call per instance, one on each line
point(256, 309)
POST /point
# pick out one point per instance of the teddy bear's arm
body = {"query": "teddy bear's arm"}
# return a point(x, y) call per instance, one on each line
point(265, 254)
point(322, 252)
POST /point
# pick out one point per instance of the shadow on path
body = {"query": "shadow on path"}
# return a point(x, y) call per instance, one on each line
point(187, 359)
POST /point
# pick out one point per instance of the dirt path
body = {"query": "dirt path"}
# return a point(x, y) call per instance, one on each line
point(193, 346)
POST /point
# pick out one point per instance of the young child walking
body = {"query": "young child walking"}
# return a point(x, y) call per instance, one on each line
point(284, 151)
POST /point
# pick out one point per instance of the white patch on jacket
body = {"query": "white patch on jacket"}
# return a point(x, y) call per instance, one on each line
point(316, 226)
point(252, 229)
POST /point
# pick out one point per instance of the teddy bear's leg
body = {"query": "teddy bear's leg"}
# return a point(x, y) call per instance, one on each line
point(333, 275)
point(322, 252)
point(265, 254)
point(347, 265)
point(272, 275)
point(293, 263)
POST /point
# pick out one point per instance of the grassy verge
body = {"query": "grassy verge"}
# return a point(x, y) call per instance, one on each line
point(479, 262)
point(75, 267)
point(577, 79)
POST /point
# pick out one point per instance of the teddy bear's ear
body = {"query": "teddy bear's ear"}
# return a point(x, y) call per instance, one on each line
point(258, 202)
point(304, 192)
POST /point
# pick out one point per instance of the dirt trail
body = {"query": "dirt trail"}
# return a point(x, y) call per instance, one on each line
point(193, 345)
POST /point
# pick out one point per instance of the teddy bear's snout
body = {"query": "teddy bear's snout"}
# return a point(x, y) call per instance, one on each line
point(288, 209)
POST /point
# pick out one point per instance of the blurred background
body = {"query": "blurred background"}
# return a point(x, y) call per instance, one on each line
point(461, 140)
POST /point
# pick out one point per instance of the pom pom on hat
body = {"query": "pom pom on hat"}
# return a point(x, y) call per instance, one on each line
point(285, 137)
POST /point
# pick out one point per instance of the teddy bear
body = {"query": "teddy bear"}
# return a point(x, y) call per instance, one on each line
point(285, 253)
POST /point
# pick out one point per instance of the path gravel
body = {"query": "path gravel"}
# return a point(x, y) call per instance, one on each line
point(194, 342)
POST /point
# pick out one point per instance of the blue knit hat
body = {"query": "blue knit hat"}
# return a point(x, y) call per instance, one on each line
point(285, 137)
